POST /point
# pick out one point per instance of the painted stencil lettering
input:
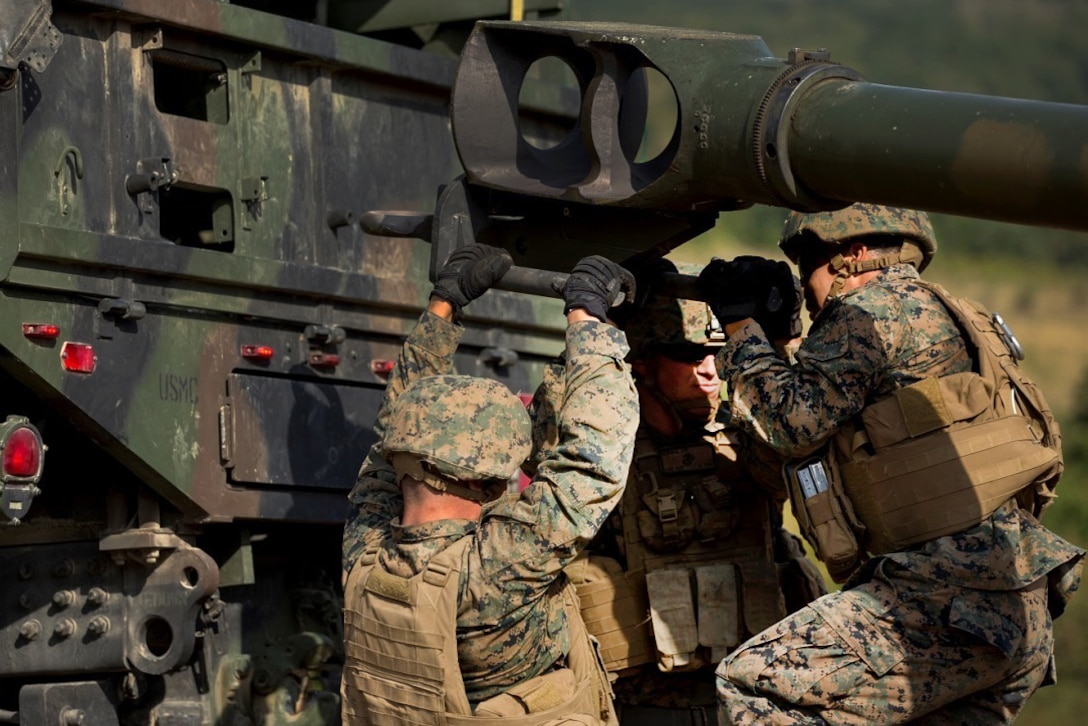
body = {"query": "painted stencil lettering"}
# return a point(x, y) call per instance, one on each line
point(174, 388)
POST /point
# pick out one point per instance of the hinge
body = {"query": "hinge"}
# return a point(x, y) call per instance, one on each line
point(226, 437)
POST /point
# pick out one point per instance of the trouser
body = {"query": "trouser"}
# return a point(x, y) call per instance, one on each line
point(865, 656)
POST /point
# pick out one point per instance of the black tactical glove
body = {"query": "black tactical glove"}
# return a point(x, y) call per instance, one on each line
point(786, 322)
point(470, 272)
point(595, 285)
point(752, 287)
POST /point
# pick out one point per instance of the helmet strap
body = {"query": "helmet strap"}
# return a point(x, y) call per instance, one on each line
point(848, 267)
point(409, 465)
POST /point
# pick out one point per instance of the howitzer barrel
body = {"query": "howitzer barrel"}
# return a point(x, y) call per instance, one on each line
point(800, 132)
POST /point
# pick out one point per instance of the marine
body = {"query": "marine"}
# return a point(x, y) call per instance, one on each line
point(953, 622)
point(457, 605)
point(695, 558)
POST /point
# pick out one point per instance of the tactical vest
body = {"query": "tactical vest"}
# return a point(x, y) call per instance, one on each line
point(700, 561)
point(401, 656)
point(934, 458)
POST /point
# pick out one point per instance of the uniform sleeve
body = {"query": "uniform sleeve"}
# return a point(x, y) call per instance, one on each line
point(578, 484)
point(795, 408)
point(376, 498)
point(544, 414)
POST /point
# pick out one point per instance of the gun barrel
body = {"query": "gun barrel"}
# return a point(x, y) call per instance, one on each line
point(996, 158)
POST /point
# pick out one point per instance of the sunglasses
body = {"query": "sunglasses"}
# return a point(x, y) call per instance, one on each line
point(686, 352)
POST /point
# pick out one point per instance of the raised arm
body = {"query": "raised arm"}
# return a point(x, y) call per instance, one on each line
point(428, 351)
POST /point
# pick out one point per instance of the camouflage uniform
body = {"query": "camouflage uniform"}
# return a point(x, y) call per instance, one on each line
point(726, 537)
point(511, 625)
point(956, 629)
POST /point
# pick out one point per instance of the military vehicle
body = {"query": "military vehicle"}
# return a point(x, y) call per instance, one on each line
point(206, 270)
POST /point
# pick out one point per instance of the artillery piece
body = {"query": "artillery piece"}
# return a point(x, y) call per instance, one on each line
point(204, 282)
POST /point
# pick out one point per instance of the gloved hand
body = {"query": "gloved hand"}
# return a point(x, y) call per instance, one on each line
point(470, 272)
point(786, 322)
point(752, 287)
point(595, 285)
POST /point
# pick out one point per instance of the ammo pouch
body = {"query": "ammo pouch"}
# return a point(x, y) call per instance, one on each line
point(700, 574)
point(934, 459)
point(615, 610)
point(824, 513)
point(537, 697)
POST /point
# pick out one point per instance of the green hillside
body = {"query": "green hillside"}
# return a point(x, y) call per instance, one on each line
point(1036, 278)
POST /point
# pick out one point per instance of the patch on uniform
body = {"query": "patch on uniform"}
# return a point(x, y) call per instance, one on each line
point(688, 458)
point(923, 407)
point(390, 586)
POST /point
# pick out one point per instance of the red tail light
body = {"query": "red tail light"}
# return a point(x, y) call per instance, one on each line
point(22, 453)
point(46, 331)
point(382, 367)
point(258, 352)
point(324, 360)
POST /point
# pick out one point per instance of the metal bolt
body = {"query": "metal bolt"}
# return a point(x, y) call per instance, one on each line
point(65, 628)
point(28, 600)
point(97, 597)
point(30, 630)
point(72, 717)
point(64, 598)
point(64, 568)
point(99, 625)
point(27, 570)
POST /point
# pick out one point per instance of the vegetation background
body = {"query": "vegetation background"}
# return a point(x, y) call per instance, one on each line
point(1036, 278)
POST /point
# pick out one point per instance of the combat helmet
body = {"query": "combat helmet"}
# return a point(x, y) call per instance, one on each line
point(663, 321)
point(451, 428)
point(859, 220)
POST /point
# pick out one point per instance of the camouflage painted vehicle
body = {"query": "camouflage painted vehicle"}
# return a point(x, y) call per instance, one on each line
point(204, 280)
point(196, 333)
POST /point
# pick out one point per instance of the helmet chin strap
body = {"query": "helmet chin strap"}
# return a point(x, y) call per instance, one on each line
point(409, 465)
point(845, 267)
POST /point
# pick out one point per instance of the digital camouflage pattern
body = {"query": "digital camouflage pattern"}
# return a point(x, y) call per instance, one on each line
point(515, 627)
point(858, 220)
point(862, 346)
point(968, 660)
point(663, 320)
point(183, 183)
point(467, 428)
point(976, 593)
